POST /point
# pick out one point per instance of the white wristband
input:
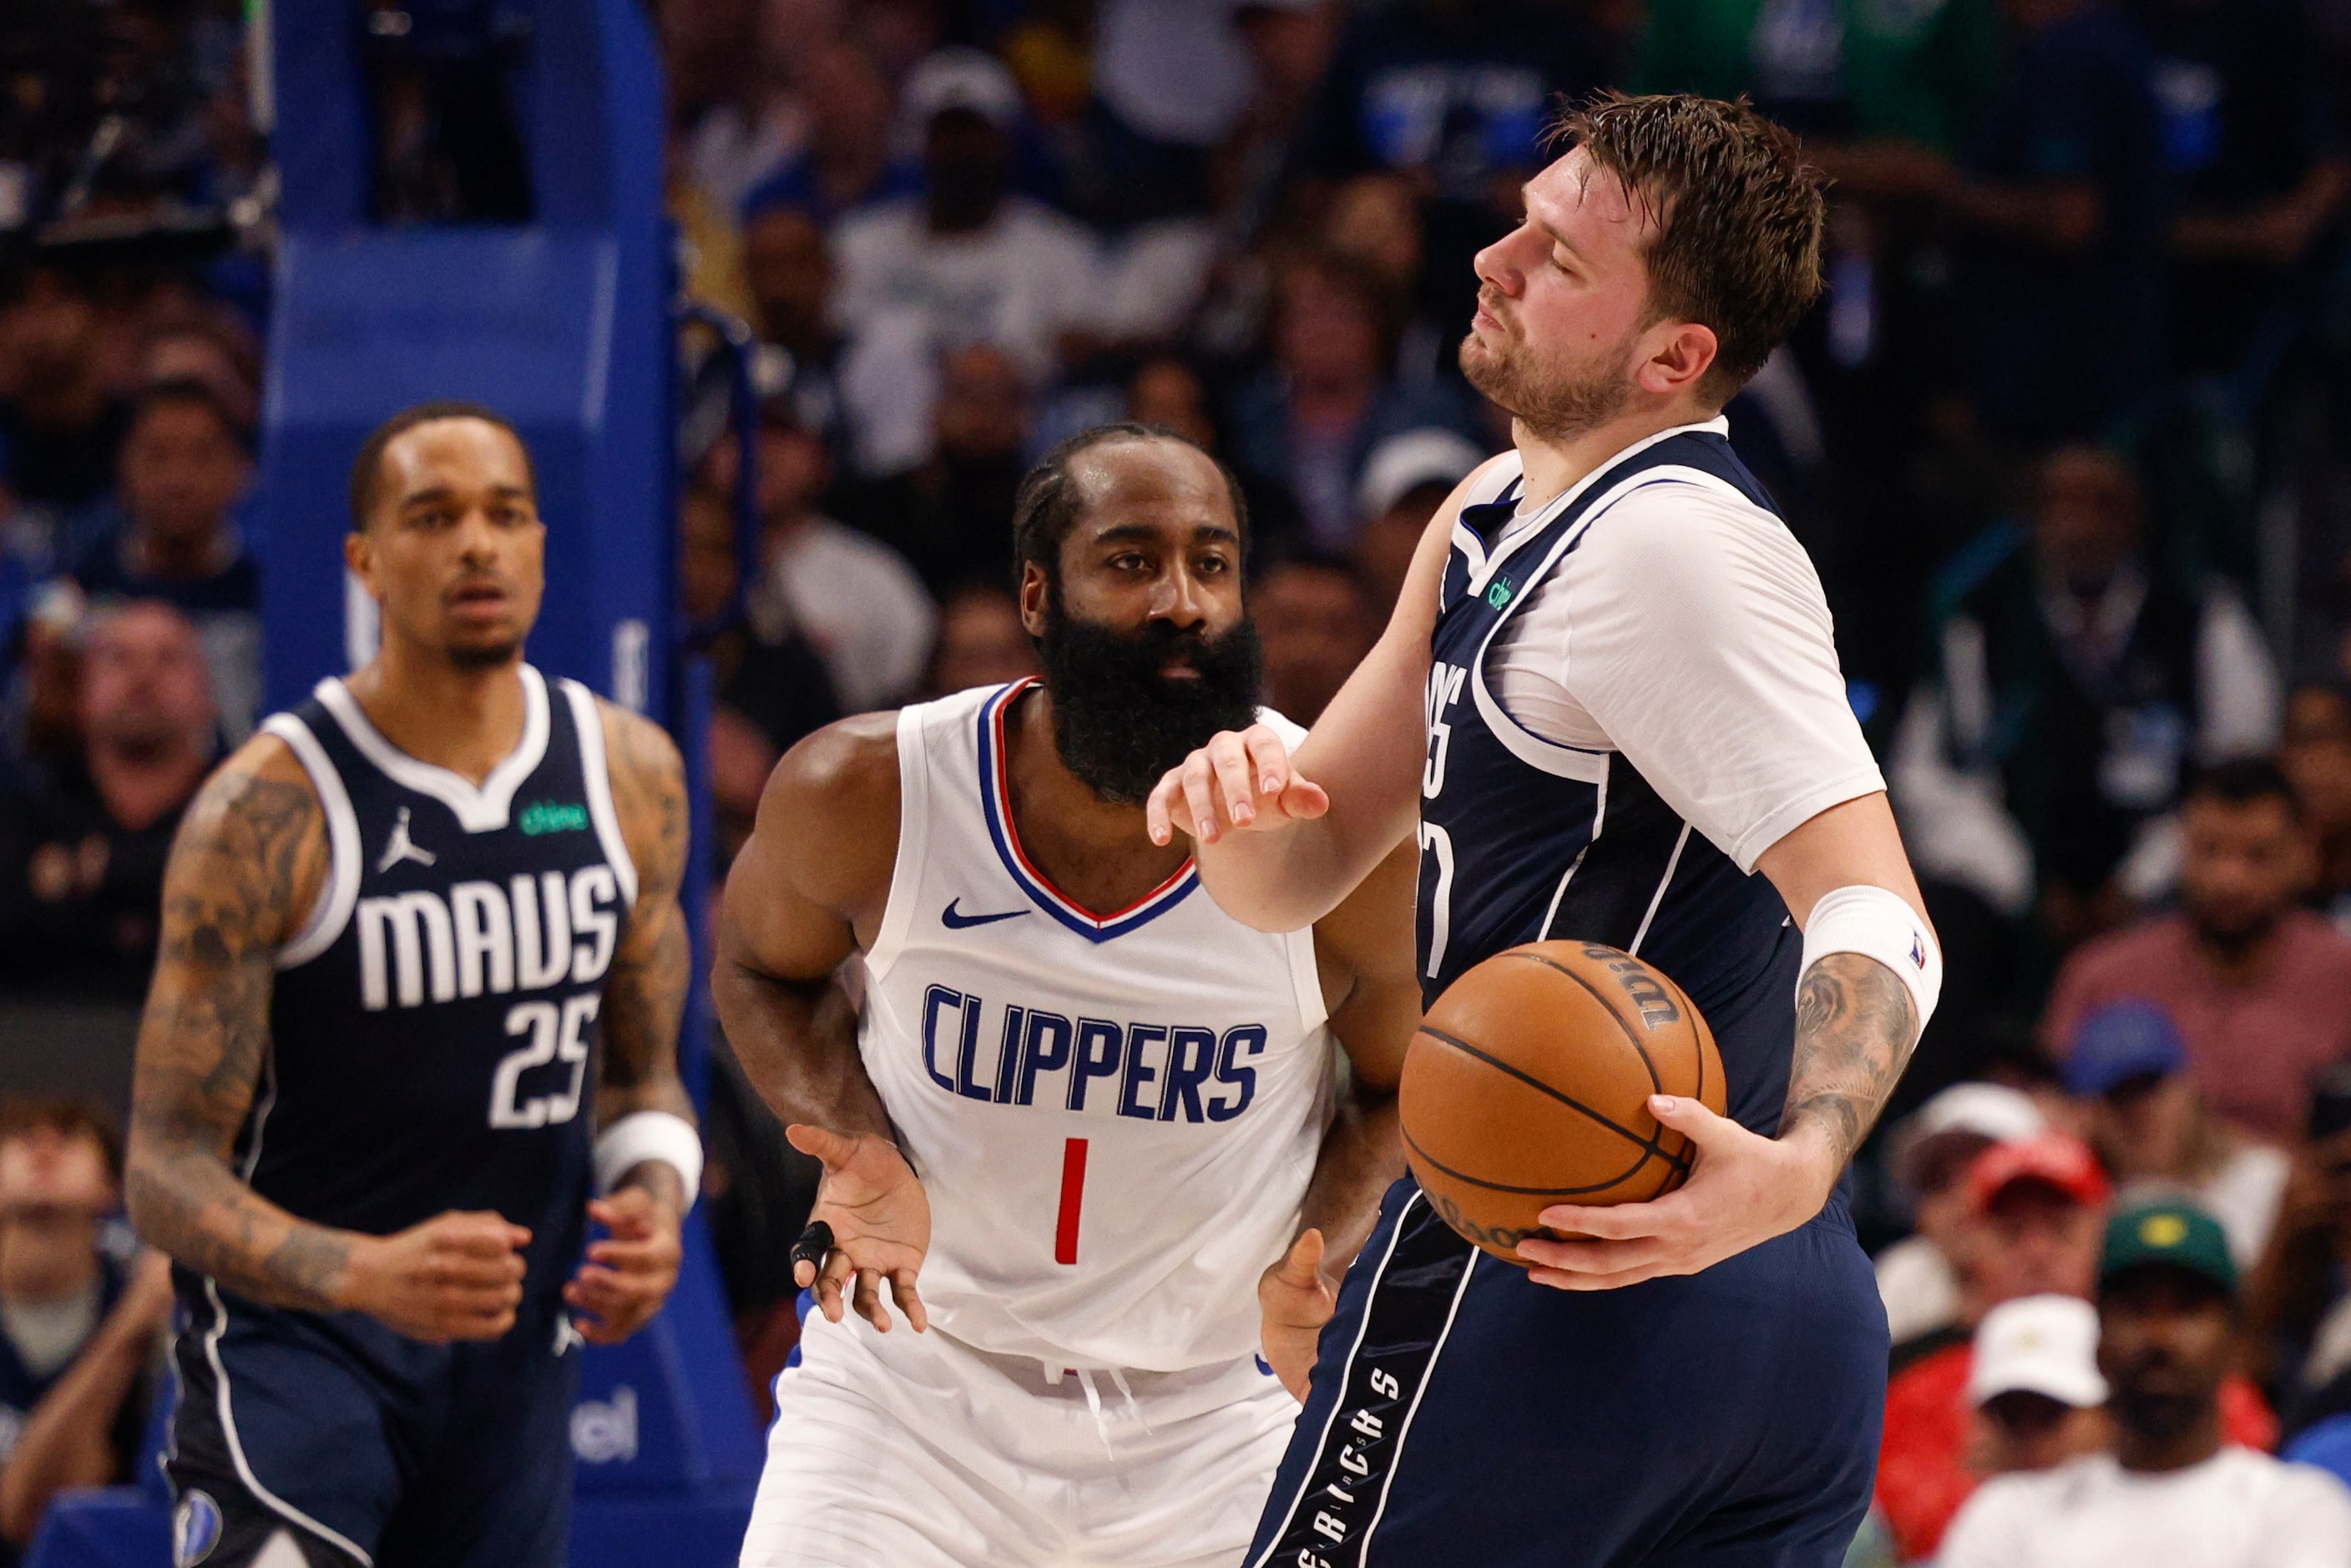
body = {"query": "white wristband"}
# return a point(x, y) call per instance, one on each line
point(643, 1136)
point(1879, 924)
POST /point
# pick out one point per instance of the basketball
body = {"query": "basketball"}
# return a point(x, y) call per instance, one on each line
point(1528, 1085)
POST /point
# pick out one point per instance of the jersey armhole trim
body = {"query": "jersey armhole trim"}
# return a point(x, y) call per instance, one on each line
point(595, 771)
point(332, 911)
point(914, 834)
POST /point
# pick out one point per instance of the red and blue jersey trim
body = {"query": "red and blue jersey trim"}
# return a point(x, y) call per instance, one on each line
point(996, 804)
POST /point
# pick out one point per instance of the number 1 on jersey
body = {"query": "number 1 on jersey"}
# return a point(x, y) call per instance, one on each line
point(1073, 1193)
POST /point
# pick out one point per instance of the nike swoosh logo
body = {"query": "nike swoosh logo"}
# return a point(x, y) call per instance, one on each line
point(955, 921)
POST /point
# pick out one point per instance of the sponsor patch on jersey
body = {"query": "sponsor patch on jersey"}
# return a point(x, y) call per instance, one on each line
point(195, 1529)
point(1498, 594)
point(553, 817)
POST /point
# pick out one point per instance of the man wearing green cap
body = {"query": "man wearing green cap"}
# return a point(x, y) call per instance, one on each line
point(2172, 1492)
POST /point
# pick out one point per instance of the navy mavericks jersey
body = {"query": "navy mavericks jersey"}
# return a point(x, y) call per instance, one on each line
point(1523, 840)
point(434, 1032)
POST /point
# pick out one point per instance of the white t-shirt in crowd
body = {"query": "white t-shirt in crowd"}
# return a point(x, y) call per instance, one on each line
point(1018, 283)
point(861, 607)
point(2242, 1195)
point(2237, 1510)
point(1687, 630)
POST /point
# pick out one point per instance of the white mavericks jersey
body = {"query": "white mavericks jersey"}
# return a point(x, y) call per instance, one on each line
point(1114, 1116)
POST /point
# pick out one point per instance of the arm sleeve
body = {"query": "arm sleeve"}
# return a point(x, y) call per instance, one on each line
point(1698, 640)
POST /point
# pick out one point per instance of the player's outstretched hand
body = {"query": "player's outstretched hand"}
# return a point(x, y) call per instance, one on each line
point(454, 1276)
point(628, 1274)
point(1744, 1189)
point(1295, 1301)
point(1240, 778)
point(879, 1218)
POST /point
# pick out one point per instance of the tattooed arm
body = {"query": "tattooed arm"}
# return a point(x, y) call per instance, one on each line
point(249, 860)
point(628, 1274)
point(1856, 1026)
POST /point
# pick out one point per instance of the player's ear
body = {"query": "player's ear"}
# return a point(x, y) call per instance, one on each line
point(1036, 598)
point(1679, 354)
point(359, 555)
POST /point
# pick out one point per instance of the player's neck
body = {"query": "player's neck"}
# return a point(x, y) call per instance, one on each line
point(465, 720)
point(1552, 465)
point(1096, 853)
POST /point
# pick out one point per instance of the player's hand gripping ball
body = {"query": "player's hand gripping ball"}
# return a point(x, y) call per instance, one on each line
point(1528, 1084)
point(871, 1222)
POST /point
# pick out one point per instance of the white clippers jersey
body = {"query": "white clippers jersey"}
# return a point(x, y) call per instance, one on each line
point(1114, 1116)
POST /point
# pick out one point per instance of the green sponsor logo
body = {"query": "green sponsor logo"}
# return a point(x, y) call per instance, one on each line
point(1500, 594)
point(549, 817)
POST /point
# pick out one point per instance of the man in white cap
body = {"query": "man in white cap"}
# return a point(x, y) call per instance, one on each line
point(1928, 1154)
point(2034, 1386)
point(971, 259)
point(1405, 479)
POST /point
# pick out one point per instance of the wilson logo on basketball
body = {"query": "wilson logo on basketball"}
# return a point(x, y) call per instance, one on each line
point(1657, 1007)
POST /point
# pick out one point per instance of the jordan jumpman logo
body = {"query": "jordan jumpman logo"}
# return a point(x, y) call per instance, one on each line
point(400, 847)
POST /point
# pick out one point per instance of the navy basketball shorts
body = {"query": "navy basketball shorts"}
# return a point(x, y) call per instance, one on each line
point(1462, 1413)
point(368, 1450)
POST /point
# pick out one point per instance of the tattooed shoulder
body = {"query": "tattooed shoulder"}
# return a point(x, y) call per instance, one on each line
point(251, 854)
point(648, 779)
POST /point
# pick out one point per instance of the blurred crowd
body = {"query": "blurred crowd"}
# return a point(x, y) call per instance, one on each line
point(2069, 438)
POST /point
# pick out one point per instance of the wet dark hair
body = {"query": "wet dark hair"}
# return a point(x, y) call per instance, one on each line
point(1739, 213)
point(366, 468)
point(1047, 506)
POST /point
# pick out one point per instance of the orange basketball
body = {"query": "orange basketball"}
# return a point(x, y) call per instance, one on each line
point(1528, 1084)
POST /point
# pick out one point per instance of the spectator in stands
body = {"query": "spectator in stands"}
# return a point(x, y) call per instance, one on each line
point(223, 361)
point(981, 642)
point(183, 469)
point(2066, 207)
point(2316, 760)
point(771, 688)
point(1166, 391)
point(1452, 97)
point(2128, 1067)
point(1929, 1155)
point(847, 161)
point(975, 261)
point(1316, 620)
point(2260, 163)
point(2176, 1491)
point(2034, 1211)
point(1406, 479)
point(2297, 1310)
point(1375, 221)
point(59, 423)
point(1308, 421)
point(2073, 687)
point(2035, 1387)
point(80, 1341)
point(82, 857)
point(951, 515)
point(1289, 43)
point(853, 599)
point(2258, 988)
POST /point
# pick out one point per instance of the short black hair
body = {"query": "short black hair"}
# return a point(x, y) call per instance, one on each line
point(186, 391)
point(2241, 782)
point(1046, 509)
point(366, 468)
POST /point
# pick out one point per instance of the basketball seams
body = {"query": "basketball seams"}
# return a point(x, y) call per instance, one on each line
point(1437, 1165)
point(1656, 1083)
point(1531, 1082)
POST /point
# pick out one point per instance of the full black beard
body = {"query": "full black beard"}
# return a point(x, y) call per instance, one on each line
point(1118, 723)
point(2159, 1417)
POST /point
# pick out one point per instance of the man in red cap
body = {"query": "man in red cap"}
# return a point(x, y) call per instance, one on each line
point(2035, 1206)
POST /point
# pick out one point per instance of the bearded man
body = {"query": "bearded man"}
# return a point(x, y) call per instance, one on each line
point(1093, 1115)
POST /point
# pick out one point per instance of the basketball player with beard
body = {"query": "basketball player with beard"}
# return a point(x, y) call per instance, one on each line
point(1608, 709)
point(1079, 1123)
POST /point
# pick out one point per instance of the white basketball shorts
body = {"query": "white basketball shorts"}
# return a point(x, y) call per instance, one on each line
point(917, 1451)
